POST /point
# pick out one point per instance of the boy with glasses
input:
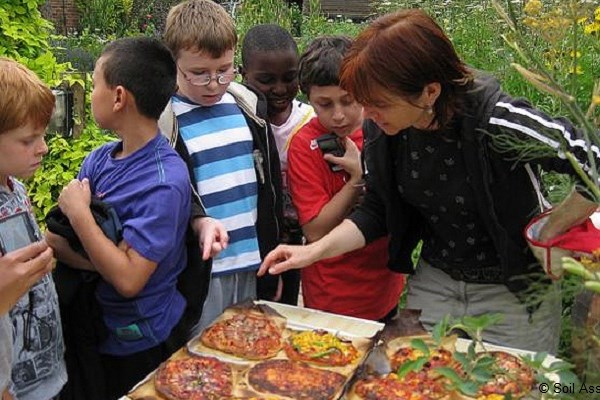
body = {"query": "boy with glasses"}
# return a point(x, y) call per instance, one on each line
point(33, 330)
point(220, 130)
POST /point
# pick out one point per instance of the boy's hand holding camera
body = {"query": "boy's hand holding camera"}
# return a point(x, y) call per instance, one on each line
point(350, 161)
point(20, 269)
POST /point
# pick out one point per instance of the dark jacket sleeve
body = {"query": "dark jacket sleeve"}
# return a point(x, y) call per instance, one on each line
point(519, 119)
point(270, 197)
point(197, 209)
point(370, 215)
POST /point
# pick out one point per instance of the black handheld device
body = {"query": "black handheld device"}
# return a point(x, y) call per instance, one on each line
point(330, 144)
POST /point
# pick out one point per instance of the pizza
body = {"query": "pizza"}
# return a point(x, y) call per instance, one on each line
point(247, 335)
point(320, 347)
point(295, 380)
point(510, 376)
point(194, 378)
point(438, 357)
point(412, 386)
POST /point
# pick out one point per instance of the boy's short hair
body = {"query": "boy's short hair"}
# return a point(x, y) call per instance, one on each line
point(24, 98)
point(320, 63)
point(145, 67)
point(201, 25)
point(266, 37)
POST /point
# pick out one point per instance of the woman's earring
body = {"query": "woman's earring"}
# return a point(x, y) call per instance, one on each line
point(429, 110)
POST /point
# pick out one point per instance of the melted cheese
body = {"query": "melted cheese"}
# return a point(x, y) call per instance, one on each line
point(318, 344)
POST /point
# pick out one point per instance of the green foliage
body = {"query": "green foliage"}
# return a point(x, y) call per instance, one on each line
point(60, 166)
point(106, 17)
point(80, 50)
point(149, 16)
point(23, 37)
point(254, 12)
point(305, 26)
point(314, 24)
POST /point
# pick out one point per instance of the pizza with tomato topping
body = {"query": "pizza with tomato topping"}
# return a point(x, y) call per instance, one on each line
point(194, 378)
point(437, 357)
point(296, 380)
point(412, 386)
point(510, 376)
point(247, 335)
point(320, 347)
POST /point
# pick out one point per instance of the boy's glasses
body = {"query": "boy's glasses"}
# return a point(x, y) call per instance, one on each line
point(205, 79)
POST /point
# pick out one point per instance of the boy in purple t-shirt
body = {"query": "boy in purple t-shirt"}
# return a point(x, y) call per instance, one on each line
point(147, 183)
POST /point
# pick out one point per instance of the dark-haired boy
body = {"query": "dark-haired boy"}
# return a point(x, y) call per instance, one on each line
point(147, 183)
point(358, 283)
point(270, 64)
point(230, 149)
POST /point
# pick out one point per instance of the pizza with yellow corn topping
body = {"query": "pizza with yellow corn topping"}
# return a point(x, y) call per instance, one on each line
point(320, 347)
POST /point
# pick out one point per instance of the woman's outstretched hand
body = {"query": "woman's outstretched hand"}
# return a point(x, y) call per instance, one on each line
point(285, 257)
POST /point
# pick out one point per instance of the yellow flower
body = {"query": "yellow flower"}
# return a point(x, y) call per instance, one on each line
point(596, 100)
point(574, 54)
point(577, 70)
point(531, 22)
point(594, 27)
point(533, 7)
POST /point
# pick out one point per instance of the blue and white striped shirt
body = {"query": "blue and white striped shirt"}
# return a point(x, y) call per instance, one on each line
point(220, 145)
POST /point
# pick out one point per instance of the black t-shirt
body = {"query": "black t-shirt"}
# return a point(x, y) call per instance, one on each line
point(432, 177)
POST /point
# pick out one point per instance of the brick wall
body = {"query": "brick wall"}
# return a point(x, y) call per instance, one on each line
point(63, 14)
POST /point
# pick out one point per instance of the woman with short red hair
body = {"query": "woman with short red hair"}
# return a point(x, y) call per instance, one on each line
point(436, 175)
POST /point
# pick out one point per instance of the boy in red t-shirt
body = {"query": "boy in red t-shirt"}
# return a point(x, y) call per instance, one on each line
point(325, 188)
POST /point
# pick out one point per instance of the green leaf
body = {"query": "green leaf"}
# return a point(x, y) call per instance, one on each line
point(449, 373)
point(462, 359)
point(568, 377)
point(440, 329)
point(419, 344)
point(481, 322)
point(469, 388)
point(559, 365)
point(485, 361)
point(471, 353)
point(409, 366)
point(539, 358)
point(481, 374)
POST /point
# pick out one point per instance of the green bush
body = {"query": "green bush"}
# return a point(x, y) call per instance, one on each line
point(149, 16)
point(23, 37)
point(105, 17)
point(61, 165)
point(80, 50)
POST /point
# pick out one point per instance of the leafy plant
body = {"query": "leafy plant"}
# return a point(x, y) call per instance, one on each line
point(567, 31)
point(149, 16)
point(106, 17)
point(24, 37)
point(559, 28)
point(60, 166)
point(476, 366)
point(81, 49)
